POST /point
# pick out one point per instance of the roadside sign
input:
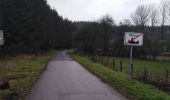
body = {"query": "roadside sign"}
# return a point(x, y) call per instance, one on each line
point(133, 39)
point(1, 37)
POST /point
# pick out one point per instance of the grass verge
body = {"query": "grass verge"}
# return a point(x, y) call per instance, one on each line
point(156, 69)
point(22, 71)
point(133, 89)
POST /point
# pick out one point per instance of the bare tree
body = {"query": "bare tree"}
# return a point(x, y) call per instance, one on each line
point(154, 15)
point(1, 14)
point(141, 16)
point(163, 13)
point(168, 10)
point(125, 22)
point(107, 19)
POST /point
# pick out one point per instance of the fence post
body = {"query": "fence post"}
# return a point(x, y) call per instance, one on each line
point(132, 69)
point(91, 57)
point(121, 66)
point(108, 62)
point(113, 63)
point(102, 60)
point(166, 76)
point(105, 62)
point(95, 58)
point(145, 74)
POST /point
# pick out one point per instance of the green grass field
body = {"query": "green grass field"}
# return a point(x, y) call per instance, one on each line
point(23, 71)
point(133, 89)
point(156, 69)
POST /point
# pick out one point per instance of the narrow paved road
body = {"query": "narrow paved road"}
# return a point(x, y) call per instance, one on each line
point(65, 79)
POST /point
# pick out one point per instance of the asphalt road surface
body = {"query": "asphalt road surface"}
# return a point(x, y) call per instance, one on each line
point(65, 79)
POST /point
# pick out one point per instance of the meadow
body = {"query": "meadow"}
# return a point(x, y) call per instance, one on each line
point(154, 71)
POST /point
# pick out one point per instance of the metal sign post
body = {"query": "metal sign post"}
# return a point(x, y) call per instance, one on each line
point(1, 38)
point(130, 62)
point(132, 39)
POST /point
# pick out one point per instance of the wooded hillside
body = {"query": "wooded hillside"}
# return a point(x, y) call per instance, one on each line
point(31, 26)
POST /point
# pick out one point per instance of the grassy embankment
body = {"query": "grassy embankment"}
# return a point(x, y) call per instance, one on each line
point(132, 88)
point(22, 71)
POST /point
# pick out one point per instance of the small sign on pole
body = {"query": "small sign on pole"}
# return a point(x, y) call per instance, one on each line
point(1, 38)
point(132, 39)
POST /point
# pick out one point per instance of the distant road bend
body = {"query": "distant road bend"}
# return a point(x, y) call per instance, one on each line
point(65, 79)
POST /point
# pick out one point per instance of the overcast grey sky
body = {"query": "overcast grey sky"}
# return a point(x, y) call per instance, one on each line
point(88, 10)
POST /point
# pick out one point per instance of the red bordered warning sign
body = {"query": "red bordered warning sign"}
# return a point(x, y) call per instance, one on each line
point(133, 39)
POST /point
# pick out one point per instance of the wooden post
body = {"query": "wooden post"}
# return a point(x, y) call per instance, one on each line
point(166, 76)
point(104, 61)
point(113, 63)
point(145, 74)
point(132, 70)
point(121, 66)
point(101, 60)
point(95, 59)
point(107, 62)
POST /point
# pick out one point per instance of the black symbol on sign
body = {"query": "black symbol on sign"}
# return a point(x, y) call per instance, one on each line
point(132, 41)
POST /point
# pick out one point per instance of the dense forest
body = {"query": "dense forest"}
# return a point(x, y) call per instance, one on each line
point(31, 26)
